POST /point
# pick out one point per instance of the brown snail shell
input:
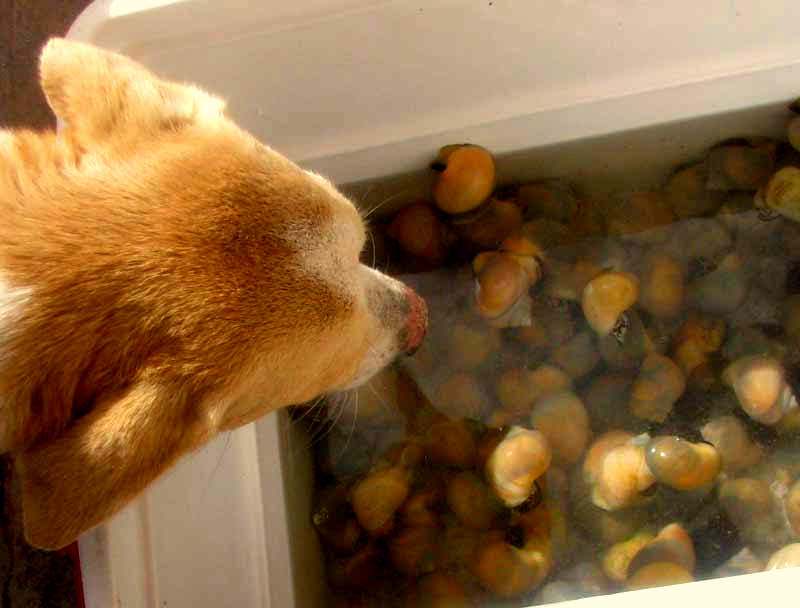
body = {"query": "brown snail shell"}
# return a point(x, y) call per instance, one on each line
point(663, 288)
point(377, 497)
point(736, 449)
point(606, 297)
point(782, 193)
point(681, 464)
point(740, 166)
point(519, 459)
point(419, 231)
point(472, 501)
point(562, 419)
point(622, 477)
point(659, 385)
point(762, 389)
point(467, 179)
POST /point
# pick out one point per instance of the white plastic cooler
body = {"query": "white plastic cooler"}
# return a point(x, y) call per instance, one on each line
point(359, 89)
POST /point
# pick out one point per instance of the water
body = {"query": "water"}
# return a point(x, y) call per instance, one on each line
point(714, 288)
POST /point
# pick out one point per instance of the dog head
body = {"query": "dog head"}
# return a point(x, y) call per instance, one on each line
point(181, 278)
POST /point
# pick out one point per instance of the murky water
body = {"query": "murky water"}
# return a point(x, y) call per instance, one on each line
point(606, 399)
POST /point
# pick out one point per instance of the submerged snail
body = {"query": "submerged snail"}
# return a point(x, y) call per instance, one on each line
point(467, 178)
point(762, 389)
point(782, 193)
point(621, 477)
point(515, 391)
point(378, 496)
point(578, 356)
point(681, 464)
point(640, 214)
point(658, 386)
point(502, 283)
point(792, 507)
point(472, 501)
point(451, 443)
point(672, 543)
point(508, 570)
point(793, 132)
point(518, 460)
point(562, 419)
point(488, 229)
point(605, 400)
point(554, 199)
point(471, 344)
point(461, 396)
point(606, 297)
point(629, 342)
point(697, 339)
point(722, 290)
point(746, 501)
point(740, 166)
point(419, 231)
point(663, 286)
point(599, 449)
point(646, 560)
point(567, 280)
point(736, 449)
point(547, 379)
point(618, 557)
point(686, 192)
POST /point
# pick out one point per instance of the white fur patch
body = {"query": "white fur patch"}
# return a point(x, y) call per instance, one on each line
point(12, 305)
point(6, 140)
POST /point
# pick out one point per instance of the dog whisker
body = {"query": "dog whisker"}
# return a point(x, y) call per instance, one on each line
point(309, 418)
point(362, 199)
point(374, 253)
point(378, 396)
point(393, 197)
point(352, 426)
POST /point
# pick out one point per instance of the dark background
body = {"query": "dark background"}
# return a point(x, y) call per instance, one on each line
point(29, 578)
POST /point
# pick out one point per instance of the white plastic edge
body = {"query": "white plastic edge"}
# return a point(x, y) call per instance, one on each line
point(121, 566)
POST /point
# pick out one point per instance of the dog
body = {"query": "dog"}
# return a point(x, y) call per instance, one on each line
point(164, 277)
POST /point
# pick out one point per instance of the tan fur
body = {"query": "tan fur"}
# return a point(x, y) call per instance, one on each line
point(163, 277)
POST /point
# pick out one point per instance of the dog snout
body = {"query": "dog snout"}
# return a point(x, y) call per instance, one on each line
point(416, 324)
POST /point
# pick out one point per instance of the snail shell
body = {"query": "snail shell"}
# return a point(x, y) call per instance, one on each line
point(562, 419)
point(659, 385)
point(622, 478)
point(377, 497)
point(606, 297)
point(782, 193)
point(761, 387)
point(729, 435)
point(681, 464)
point(516, 463)
point(467, 180)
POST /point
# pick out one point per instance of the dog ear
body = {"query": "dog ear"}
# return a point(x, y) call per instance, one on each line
point(106, 459)
point(103, 95)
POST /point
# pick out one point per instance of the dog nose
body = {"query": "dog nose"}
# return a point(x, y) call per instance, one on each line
point(416, 325)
